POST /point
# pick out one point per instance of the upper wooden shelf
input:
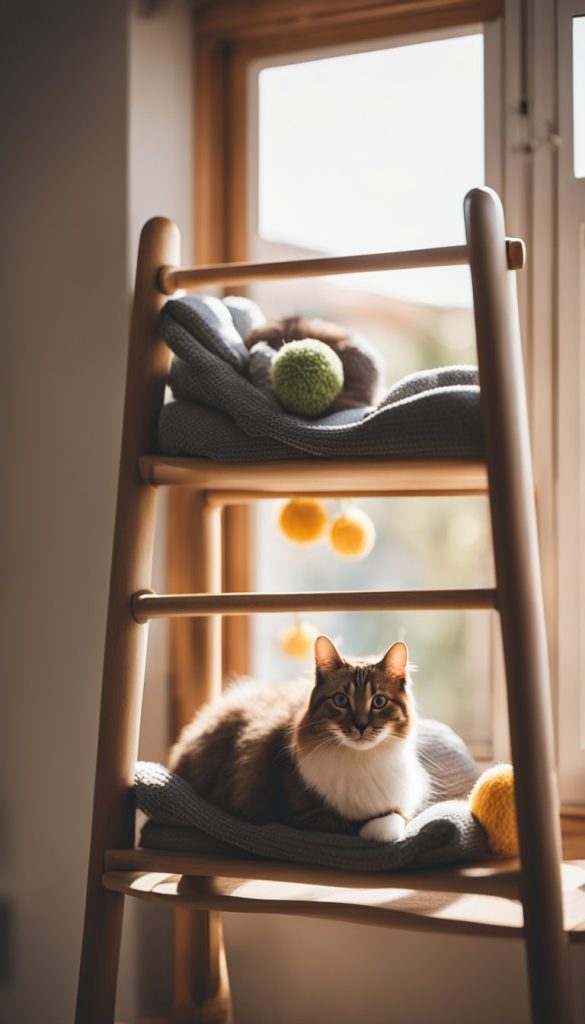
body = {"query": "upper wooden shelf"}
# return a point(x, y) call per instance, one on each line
point(232, 483)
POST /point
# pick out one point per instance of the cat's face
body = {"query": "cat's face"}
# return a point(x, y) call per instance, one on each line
point(359, 704)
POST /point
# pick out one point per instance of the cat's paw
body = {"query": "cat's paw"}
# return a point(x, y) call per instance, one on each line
point(384, 830)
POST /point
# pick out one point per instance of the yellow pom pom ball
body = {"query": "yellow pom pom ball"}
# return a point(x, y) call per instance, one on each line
point(299, 641)
point(303, 520)
point(493, 803)
point(352, 534)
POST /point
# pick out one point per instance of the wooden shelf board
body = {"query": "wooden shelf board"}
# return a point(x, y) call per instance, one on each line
point(364, 477)
point(393, 906)
point(494, 877)
point(474, 898)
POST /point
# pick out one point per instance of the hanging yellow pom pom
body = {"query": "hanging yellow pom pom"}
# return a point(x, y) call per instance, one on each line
point(303, 520)
point(493, 803)
point(299, 640)
point(352, 534)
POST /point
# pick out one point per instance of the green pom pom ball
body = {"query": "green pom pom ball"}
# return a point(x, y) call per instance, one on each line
point(307, 376)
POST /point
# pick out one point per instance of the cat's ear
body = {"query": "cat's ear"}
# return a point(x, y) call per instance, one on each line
point(327, 657)
point(395, 661)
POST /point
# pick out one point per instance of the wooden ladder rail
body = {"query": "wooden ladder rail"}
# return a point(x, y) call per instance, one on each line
point(503, 406)
point(520, 602)
point(125, 645)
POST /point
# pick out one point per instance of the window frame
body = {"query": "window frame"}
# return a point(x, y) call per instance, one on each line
point(570, 436)
point(229, 37)
point(230, 34)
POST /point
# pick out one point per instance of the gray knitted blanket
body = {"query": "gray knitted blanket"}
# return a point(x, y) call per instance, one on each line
point(223, 410)
point(443, 833)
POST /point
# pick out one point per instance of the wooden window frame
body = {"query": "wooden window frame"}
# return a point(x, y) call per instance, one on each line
point(229, 36)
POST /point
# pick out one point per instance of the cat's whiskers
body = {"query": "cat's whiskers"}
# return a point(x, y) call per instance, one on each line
point(420, 754)
point(328, 741)
point(428, 760)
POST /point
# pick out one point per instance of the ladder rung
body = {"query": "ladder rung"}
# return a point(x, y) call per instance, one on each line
point(172, 278)
point(146, 605)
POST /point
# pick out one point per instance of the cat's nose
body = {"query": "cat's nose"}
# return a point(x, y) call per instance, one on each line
point(362, 728)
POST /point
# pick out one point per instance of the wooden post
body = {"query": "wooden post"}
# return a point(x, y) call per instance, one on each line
point(201, 987)
point(507, 449)
point(125, 649)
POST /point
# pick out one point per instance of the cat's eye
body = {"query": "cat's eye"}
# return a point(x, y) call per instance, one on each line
point(379, 701)
point(340, 700)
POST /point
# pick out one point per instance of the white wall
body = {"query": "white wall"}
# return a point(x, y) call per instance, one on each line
point(290, 971)
point(160, 181)
point(95, 115)
point(63, 306)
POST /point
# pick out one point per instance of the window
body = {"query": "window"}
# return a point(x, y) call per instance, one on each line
point(579, 96)
point(570, 397)
point(362, 152)
point(533, 132)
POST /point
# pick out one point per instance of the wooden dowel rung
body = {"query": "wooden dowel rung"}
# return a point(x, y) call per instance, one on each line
point(171, 279)
point(146, 605)
point(223, 498)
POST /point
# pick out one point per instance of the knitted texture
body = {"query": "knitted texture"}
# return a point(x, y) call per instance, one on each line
point(492, 801)
point(444, 832)
point(220, 414)
point(307, 377)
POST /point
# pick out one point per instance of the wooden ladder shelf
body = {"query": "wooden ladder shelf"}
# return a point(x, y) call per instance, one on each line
point(538, 898)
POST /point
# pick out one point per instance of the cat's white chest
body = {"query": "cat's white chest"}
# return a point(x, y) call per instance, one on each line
point(361, 784)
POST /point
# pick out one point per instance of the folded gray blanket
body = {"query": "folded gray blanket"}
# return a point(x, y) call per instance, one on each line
point(220, 410)
point(444, 832)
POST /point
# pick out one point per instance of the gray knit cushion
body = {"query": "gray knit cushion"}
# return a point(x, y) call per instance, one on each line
point(444, 832)
point(219, 413)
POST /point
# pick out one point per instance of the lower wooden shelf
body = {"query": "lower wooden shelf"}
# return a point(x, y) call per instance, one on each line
point(494, 877)
point(470, 899)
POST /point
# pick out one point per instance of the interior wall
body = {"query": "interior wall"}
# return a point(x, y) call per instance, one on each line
point(160, 182)
point(63, 307)
point(294, 971)
point(96, 137)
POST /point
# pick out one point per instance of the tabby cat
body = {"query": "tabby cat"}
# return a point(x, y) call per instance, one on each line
point(338, 755)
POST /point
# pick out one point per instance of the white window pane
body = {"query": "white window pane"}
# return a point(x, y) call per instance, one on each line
point(368, 152)
point(579, 96)
point(375, 151)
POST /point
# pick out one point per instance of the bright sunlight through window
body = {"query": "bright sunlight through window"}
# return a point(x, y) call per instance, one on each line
point(361, 153)
point(579, 96)
point(375, 151)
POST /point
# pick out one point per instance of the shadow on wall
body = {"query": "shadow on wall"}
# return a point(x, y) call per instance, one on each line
point(322, 972)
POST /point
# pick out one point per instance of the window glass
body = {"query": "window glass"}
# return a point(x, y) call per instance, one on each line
point(361, 153)
point(579, 96)
point(374, 151)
